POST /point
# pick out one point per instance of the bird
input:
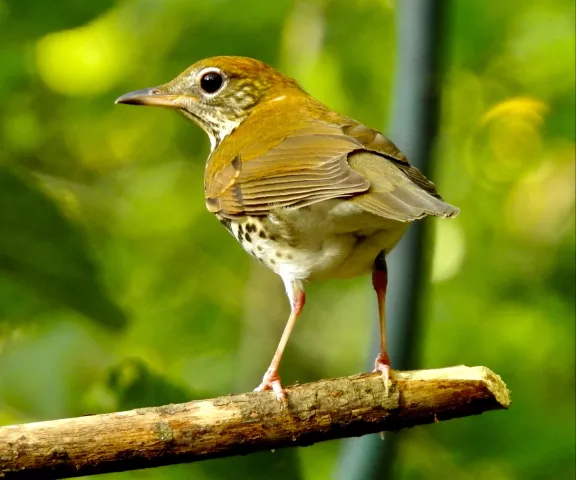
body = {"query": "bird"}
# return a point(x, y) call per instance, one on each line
point(310, 193)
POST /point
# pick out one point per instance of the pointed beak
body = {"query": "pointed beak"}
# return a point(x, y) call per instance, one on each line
point(153, 97)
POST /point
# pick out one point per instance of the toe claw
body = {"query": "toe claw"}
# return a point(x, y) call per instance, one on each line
point(271, 381)
point(382, 365)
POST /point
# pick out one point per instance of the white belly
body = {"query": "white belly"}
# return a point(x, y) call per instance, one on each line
point(331, 239)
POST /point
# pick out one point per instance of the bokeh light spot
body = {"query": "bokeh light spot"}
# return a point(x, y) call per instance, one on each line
point(450, 248)
point(508, 139)
point(84, 61)
point(529, 108)
point(540, 207)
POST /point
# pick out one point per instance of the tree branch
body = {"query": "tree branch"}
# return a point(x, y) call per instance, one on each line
point(245, 423)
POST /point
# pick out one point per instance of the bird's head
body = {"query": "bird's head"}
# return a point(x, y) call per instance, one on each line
point(218, 93)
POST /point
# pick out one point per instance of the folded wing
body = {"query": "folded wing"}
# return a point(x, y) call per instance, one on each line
point(322, 161)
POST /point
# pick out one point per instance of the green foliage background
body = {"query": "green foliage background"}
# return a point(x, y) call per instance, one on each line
point(118, 289)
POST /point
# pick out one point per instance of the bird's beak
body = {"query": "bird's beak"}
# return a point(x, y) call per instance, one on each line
point(152, 96)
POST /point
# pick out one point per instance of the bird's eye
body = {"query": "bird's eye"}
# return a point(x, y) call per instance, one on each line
point(211, 82)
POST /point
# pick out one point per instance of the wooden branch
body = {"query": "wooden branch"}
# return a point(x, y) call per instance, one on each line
point(245, 423)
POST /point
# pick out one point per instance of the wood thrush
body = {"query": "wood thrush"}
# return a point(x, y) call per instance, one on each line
point(308, 192)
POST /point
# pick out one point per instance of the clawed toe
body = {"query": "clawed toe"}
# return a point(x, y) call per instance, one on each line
point(271, 381)
point(382, 365)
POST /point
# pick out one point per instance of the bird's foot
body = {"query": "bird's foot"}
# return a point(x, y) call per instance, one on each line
point(382, 365)
point(271, 381)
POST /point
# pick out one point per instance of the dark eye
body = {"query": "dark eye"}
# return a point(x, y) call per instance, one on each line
point(211, 82)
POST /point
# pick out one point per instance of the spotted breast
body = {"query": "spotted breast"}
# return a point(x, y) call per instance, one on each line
point(331, 239)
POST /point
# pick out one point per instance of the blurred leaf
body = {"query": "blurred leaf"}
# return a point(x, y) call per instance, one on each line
point(44, 251)
point(49, 369)
point(23, 21)
point(136, 386)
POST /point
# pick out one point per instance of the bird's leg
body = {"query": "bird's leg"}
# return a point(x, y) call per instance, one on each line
point(271, 379)
point(380, 283)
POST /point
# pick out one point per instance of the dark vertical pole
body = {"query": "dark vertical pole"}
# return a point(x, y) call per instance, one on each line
point(415, 126)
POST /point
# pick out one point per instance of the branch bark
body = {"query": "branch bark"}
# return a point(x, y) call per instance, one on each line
point(245, 423)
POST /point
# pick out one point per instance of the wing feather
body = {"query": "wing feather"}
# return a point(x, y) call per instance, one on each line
point(393, 194)
point(308, 166)
point(319, 161)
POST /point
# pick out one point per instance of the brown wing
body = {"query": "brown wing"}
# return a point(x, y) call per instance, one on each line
point(308, 166)
point(320, 161)
point(398, 190)
point(392, 193)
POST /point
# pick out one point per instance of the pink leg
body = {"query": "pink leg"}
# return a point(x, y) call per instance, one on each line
point(271, 379)
point(380, 283)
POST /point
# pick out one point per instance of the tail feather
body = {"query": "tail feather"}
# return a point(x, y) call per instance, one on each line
point(393, 194)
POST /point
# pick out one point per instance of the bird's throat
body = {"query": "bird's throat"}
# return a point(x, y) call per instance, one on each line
point(216, 128)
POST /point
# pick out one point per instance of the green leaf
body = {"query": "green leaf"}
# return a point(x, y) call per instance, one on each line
point(41, 249)
point(135, 386)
